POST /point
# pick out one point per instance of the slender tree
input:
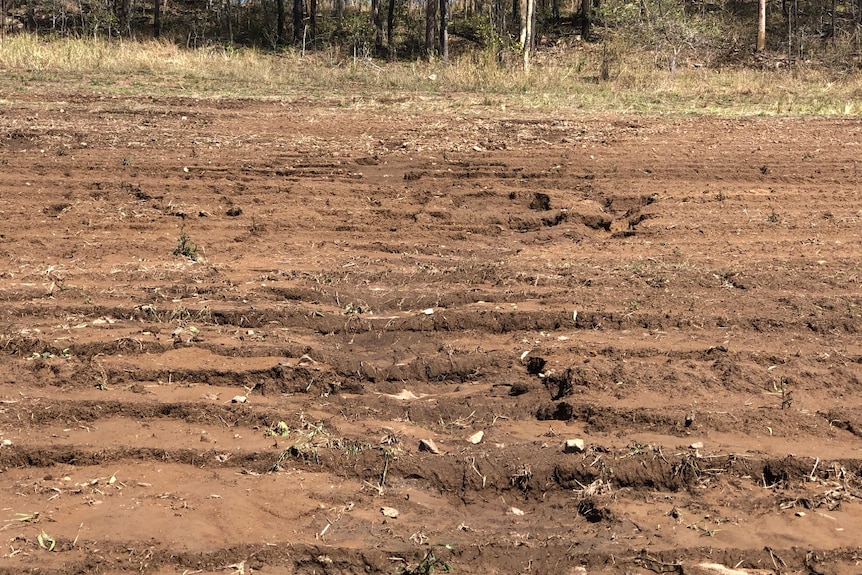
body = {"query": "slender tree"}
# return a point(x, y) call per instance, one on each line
point(121, 12)
point(761, 25)
point(312, 18)
point(31, 16)
point(431, 26)
point(281, 21)
point(792, 14)
point(297, 21)
point(444, 30)
point(516, 14)
point(377, 23)
point(229, 16)
point(527, 31)
point(586, 18)
point(390, 26)
point(157, 18)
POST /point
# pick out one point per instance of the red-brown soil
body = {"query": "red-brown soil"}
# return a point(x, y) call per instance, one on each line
point(681, 294)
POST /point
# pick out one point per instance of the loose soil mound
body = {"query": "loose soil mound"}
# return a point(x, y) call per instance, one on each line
point(244, 336)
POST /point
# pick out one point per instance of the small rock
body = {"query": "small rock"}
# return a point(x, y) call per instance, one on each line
point(404, 394)
point(476, 437)
point(697, 445)
point(429, 445)
point(689, 419)
point(429, 311)
point(7, 442)
point(390, 512)
point(516, 511)
point(574, 446)
point(239, 399)
point(800, 514)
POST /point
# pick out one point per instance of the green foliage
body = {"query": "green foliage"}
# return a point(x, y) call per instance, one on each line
point(46, 542)
point(670, 28)
point(186, 248)
point(428, 565)
point(280, 429)
point(358, 32)
point(476, 27)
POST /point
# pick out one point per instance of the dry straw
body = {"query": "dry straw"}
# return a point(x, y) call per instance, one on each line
point(583, 79)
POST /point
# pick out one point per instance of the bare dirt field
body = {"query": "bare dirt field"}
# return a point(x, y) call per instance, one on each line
point(422, 311)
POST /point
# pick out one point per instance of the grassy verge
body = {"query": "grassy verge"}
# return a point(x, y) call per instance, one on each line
point(568, 80)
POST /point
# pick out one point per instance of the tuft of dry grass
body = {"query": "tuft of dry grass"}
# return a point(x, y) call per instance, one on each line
point(590, 78)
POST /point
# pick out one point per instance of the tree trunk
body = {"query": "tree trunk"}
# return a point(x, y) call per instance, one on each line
point(444, 30)
point(500, 17)
point(527, 33)
point(761, 25)
point(516, 15)
point(431, 26)
point(125, 21)
point(312, 18)
point(586, 18)
point(229, 21)
point(522, 19)
point(31, 15)
point(791, 26)
point(297, 22)
point(281, 22)
point(390, 25)
point(2, 18)
point(377, 23)
point(339, 13)
point(157, 18)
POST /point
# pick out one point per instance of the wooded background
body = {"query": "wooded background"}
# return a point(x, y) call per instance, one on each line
point(705, 32)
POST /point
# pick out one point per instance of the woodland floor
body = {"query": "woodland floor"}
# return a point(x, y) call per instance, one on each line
point(683, 295)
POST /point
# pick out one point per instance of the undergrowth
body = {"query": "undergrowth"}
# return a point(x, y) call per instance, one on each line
point(578, 79)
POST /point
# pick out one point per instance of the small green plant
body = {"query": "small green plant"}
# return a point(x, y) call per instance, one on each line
point(774, 217)
point(779, 388)
point(428, 565)
point(704, 532)
point(521, 480)
point(310, 437)
point(185, 247)
point(280, 429)
point(46, 542)
point(352, 308)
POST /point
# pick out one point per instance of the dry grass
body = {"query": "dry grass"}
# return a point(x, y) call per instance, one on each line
point(570, 80)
